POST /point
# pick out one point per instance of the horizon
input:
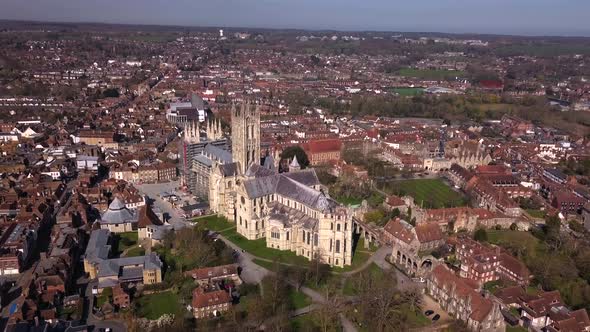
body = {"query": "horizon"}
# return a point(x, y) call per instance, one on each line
point(530, 18)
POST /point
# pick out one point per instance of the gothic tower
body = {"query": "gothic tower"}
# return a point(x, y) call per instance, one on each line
point(245, 135)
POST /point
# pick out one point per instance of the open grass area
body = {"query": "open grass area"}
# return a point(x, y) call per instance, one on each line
point(416, 318)
point(358, 259)
point(349, 200)
point(524, 239)
point(435, 74)
point(123, 241)
point(536, 213)
point(408, 91)
point(153, 306)
point(297, 299)
point(258, 248)
point(429, 193)
point(349, 288)
point(214, 223)
point(135, 251)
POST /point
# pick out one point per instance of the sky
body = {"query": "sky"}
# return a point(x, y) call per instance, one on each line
point(516, 17)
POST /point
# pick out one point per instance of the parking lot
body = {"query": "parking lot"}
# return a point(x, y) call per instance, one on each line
point(155, 191)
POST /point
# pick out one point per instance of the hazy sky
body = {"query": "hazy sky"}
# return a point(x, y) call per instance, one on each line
point(531, 17)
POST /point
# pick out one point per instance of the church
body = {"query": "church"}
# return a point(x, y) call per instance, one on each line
point(289, 209)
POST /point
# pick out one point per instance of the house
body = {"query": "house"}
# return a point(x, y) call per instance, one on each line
point(462, 302)
point(394, 202)
point(208, 275)
point(210, 304)
point(412, 246)
point(323, 151)
point(484, 263)
point(568, 202)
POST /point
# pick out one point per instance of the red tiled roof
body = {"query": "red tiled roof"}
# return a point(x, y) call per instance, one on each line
point(320, 146)
point(202, 300)
point(428, 232)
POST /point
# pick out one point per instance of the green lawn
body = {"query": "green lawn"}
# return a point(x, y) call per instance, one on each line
point(124, 241)
point(304, 323)
point(536, 213)
point(408, 91)
point(135, 251)
point(358, 259)
point(258, 248)
point(416, 318)
point(430, 193)
point(505, 236)
point(214, 223)
point(349, 287)
point(297, 299)
point(515, 329)
point(349, 200)
point(153, 306)
point(436, 74)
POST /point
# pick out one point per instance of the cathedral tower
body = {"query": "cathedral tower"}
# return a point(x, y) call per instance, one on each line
point(245, 136)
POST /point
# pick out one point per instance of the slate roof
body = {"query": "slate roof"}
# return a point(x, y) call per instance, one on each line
point(296, 186)
point(288, 216)
point(230, 169)
point(118, 213)
point(97, 248)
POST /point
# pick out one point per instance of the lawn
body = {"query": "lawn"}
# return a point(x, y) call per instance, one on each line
point(124, 241)
point(258, 248)
point(506, 237)
point(359, 257)
point(135, 251)
point(297, 299)
point(536, 213)
point(429, 193)
point(349, 200)
point(214, 223)
point(349, 287)
point(515, 329)
point(406, 92)
point(153, 306)
point(416, 318)
point(436, 74)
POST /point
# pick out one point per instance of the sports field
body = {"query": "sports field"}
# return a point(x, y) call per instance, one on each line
point(429, 193)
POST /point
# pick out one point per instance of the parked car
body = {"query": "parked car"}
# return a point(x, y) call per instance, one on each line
point(428, 312)
point(436, 317)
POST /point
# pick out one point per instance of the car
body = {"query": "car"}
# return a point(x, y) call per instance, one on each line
point(428, 312)
point(436, 317)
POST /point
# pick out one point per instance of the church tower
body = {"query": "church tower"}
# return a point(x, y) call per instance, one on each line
point(245, 136)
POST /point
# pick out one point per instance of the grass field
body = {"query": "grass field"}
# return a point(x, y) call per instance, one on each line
point(430, 193)
point(536, 213)
point(297, 299)
point(408, 91)
point(349, 200)
point(349, 287)
point(153, 306)
point(508, 237)
point(124, 241)
point(214, 223)
point(435, 74)
point(135, 251)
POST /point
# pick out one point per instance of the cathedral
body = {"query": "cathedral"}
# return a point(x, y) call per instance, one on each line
point(289, 209)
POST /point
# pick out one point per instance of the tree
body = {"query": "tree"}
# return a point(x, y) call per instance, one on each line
point(513, 227)
point(480, 235)
point(293, 151)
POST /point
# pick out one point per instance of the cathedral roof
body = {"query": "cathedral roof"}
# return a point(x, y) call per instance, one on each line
point(297, 186)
